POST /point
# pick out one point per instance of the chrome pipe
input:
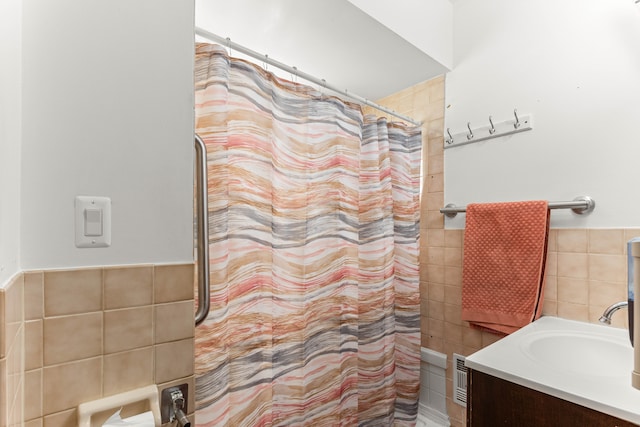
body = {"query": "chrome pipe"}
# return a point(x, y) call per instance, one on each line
point(202, 230)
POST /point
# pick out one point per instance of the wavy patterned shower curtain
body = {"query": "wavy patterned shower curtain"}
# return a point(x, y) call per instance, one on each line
point(313, 217)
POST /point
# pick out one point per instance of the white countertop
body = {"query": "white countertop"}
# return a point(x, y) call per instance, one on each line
point(584, 363)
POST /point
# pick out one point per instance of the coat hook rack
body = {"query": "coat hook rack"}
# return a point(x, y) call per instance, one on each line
point(518, 124)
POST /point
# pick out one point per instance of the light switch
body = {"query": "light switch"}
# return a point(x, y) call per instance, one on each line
point(93, 222)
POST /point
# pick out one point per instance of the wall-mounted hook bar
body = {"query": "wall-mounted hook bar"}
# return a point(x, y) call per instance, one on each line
point(492, 129)
point(450, 139)
point(516, 125)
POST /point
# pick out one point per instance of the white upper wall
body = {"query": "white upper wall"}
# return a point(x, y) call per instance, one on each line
point(107, 111)
point(10, 81)
point(575, 66)
point(334, 40)
point(428, 25)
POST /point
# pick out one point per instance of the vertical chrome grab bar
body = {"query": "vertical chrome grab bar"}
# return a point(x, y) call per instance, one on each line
point(202, 230)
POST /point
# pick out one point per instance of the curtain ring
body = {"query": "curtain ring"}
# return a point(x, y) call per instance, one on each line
point(516, 125)
point(470, 135)
point(229, 46)
point(492, 130)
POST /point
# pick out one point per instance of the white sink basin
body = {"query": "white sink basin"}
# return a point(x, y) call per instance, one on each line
point(584, 363)
point(578, 353)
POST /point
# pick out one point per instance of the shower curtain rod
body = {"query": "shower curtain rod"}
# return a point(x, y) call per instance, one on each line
point(294, 71)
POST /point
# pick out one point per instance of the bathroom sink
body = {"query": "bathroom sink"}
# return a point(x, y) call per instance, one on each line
point(584, 363)
point(588, 354)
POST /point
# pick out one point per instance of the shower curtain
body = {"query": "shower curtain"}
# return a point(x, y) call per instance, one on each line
point(313, 217)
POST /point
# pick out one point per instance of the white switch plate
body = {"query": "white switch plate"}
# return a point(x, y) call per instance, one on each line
point(86, 234)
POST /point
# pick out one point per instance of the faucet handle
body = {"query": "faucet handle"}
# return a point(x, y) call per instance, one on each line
point(174, 405)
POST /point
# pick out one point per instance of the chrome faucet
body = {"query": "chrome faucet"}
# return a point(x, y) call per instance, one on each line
point(606, 316)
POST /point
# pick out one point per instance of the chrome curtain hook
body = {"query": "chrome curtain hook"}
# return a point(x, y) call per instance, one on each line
point(492, 130)
point(450, 140)
point(470, 135)
point(516, 125)
point(229, 46)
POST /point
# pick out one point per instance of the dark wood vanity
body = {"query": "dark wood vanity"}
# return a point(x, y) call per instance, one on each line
point(493, 402)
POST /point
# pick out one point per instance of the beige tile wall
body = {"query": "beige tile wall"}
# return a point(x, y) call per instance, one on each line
point(11, 352)
point(90, 333)
point(586, 268)
point(586, 272)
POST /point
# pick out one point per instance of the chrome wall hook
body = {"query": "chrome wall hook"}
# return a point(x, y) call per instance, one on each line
point(492, 129)
point(522, 123)
point(450, 139)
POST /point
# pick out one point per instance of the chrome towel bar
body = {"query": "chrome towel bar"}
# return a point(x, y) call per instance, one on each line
point(580, 205)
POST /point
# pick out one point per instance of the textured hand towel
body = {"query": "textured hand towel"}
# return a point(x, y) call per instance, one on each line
point(505, 248)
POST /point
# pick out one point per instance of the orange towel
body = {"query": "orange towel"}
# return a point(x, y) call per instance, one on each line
point(505, 248)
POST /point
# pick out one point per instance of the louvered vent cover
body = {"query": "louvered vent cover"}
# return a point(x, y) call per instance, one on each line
point(459, 380)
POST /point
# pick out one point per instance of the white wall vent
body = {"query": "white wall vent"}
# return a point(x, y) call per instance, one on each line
point(459, 380)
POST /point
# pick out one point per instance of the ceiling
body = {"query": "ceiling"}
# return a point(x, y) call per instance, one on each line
point(329, 39)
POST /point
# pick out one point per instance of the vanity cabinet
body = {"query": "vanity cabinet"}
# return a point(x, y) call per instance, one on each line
point(492, 402)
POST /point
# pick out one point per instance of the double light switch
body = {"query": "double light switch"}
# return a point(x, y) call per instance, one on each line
point(93, 222)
